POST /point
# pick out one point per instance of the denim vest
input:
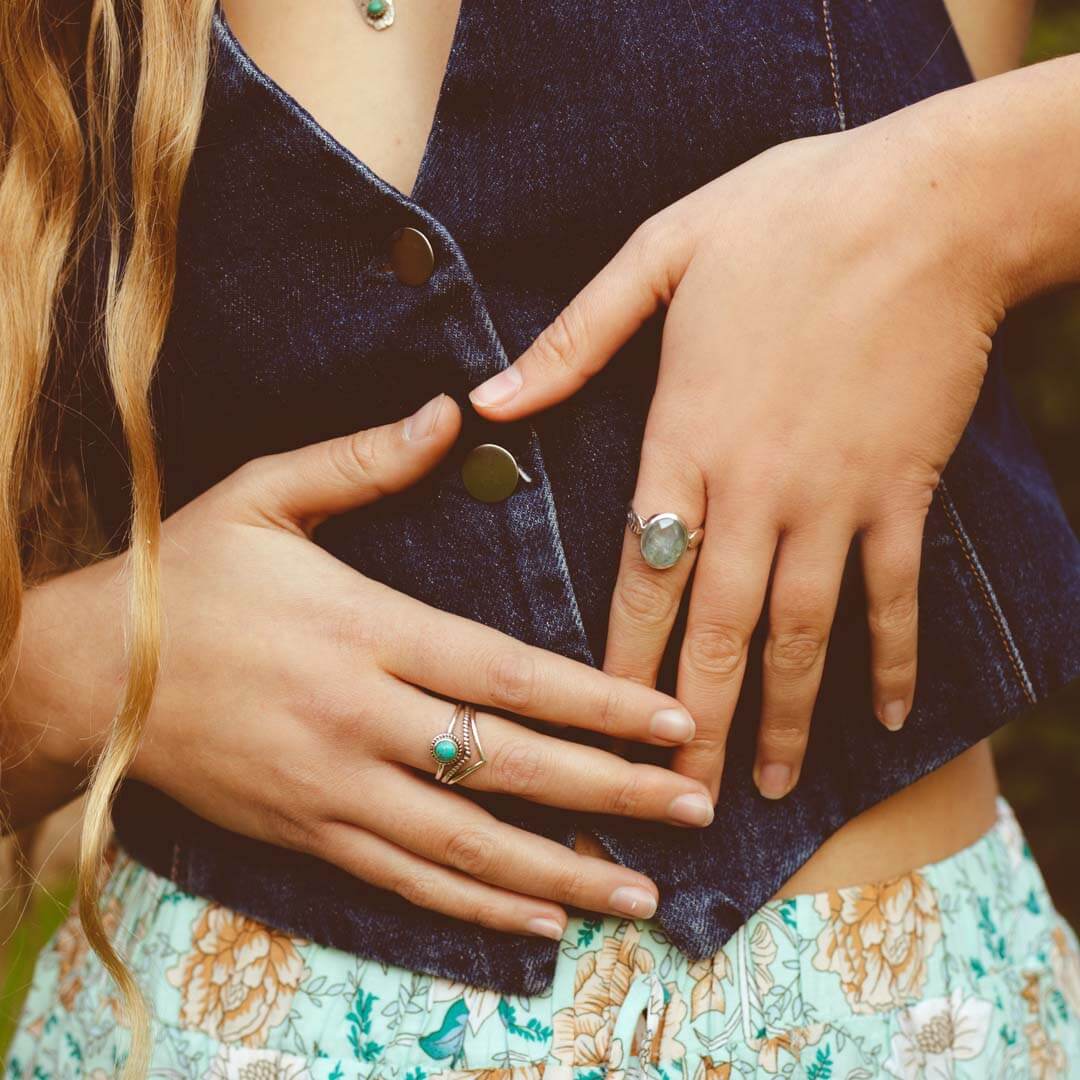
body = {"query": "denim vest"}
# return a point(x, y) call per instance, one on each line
point(558, 130)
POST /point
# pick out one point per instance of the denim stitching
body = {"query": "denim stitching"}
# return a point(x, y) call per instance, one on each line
point(826, 15)
point(987, 590)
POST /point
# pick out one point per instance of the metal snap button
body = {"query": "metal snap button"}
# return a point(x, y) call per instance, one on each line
point(490, 473)
point(411, 256)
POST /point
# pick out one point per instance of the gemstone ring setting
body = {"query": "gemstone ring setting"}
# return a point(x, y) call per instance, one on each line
point(663, 538)
point(457, 751)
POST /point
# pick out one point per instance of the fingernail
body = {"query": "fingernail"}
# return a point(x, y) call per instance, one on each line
point(691, 810)
point(422, 422)
point(633, 901)
point(498, 389)
point(672, 725)
point(893, 715)
point(548, 928)
point(774, 781)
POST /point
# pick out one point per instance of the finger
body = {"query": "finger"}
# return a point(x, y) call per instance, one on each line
point(806, 584)
point(891, 554)
point(545, 769)
point(444, 828)
point(725, 605)
point(466, 661)
point(646, 599)
point(436, 888)
point(304, 487)
point(601, 318)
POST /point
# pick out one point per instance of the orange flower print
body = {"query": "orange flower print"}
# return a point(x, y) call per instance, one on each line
point(584, 1028)
point(521, 1072)
point(877, 939)
point(790, 1043)
point(240, 979)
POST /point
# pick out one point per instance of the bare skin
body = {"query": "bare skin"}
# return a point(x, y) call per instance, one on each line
point(325, 664)
point(377, 93)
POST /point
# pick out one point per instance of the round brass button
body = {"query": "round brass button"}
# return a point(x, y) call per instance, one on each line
point(490, 473)
point(411, 256)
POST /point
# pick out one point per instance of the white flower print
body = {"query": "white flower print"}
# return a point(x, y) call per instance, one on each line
point(243, 1063)
point(937, 1032)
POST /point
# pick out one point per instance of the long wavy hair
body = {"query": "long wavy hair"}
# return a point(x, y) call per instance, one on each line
point(100, 105)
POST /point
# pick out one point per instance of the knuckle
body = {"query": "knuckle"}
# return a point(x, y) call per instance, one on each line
point(473, 851)
point(645, 599)
point(511, 680)
point(556, 347)
point(896, 615)
point(570, 886)
point(419, 888)
point(784, 736)
point(716, 649)
point(625, 796)
point(484, 913)
point(609, 714)
point(355, 456)
point(895, 670)
point(519, 769)
point(795, 652)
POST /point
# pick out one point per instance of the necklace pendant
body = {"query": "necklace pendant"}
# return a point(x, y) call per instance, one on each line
point(379, 14)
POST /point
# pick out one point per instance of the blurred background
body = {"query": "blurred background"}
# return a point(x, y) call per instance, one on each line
point(1038, 759)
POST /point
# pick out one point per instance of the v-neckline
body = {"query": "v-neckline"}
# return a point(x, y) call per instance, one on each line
point(412, 199)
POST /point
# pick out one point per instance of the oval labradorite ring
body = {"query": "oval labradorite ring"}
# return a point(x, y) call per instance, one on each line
point(664, 538)
point(457, 750)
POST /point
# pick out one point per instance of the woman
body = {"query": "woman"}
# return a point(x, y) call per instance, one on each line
point(293, 894)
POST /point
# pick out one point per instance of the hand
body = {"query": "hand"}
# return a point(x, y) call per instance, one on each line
point(294, 706)
point(827, 333)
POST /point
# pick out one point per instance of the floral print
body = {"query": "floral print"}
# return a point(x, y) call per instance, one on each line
point(961, 970)
point(877, 938)
point(239, 979)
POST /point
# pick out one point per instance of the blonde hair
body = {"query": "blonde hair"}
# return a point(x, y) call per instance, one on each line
point(79, 82)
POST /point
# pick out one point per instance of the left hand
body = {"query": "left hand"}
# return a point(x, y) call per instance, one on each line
point(830, 315)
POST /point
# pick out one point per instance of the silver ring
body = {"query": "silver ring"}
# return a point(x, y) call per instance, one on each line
point(457, 750)
point(663, 538)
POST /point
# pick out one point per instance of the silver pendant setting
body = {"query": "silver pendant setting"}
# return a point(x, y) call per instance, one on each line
point(378, 14)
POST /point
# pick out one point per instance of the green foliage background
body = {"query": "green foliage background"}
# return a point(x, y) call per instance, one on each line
point(1038, 758)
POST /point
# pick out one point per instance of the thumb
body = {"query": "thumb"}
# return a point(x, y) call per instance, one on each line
point(602, 317)
point(304, 487)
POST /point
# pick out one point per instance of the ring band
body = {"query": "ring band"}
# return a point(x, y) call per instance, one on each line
point(663, 538)
point(457, 750)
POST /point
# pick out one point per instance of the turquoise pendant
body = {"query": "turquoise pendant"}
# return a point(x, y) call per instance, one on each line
point(379, 14)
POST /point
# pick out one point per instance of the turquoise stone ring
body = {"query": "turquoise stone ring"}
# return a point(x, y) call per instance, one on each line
point(663, 538)
point(445, 749)
point(457, 751)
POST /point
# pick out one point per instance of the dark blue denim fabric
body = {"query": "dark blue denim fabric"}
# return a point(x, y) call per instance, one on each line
point(559, 129)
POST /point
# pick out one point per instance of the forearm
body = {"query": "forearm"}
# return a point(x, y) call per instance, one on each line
point(1007, 151)
point(62, 692)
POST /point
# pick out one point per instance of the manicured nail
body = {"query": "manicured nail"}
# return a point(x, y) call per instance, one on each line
point(422, 422)
point(691, 810)
point(672, 725)
point(774, 781)
point(633, 901)
point(893, 715)
point(548, 928)
point(498, 389)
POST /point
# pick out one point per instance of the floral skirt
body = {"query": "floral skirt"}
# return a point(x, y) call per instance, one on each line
point(960, 969)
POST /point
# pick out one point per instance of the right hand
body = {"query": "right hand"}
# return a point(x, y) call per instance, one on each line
point(293, 702)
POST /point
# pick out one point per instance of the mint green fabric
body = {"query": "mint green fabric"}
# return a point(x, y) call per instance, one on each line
point(960, 969)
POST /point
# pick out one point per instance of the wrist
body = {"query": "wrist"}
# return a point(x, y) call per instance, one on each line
point(996, 154)
point(68, 671)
